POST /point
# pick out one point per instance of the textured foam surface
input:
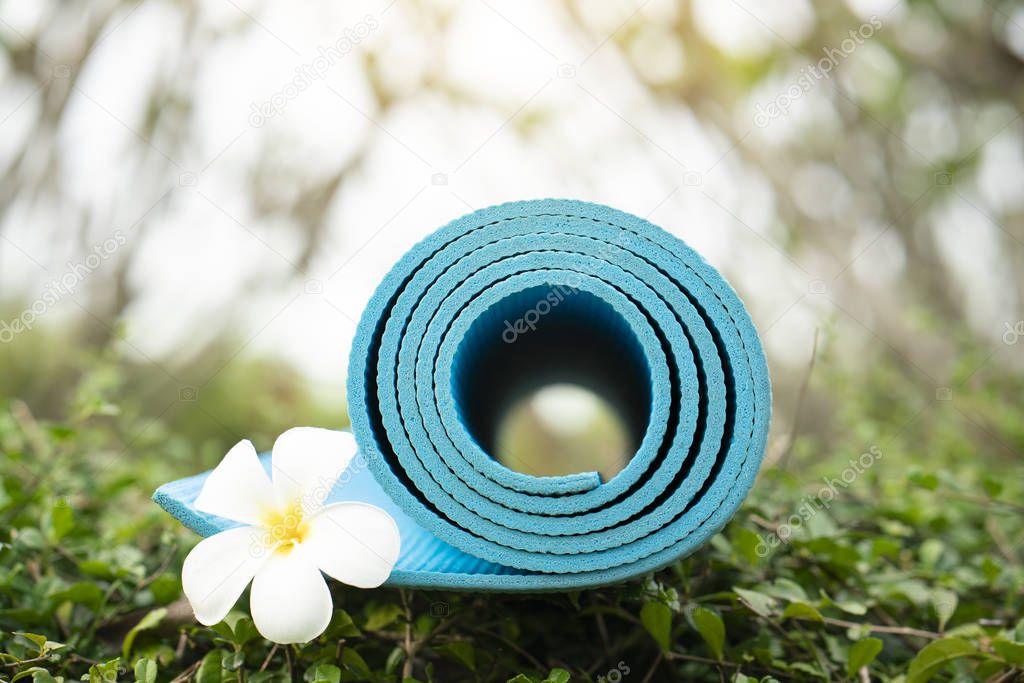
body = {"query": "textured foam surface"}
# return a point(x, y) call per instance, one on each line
point(513, 297)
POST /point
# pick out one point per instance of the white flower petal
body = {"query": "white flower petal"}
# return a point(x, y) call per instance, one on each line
point(219, 568)
point(289, 601)
point(307, 461)
point(355, 543)
point(238, 488)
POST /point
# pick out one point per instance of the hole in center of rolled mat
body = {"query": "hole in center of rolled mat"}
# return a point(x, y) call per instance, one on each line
point(560, 429)
point(552, 380)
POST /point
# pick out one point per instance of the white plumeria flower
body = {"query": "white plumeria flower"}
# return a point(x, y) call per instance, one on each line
point(289, 536)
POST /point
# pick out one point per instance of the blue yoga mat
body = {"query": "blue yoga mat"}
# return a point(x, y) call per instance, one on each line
point(512, 298)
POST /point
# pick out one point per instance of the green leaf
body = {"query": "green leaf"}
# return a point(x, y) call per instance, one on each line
point(1010, 651)
point(379, 616)
point(243, 631)
point(210, 671)
point(85, 593)
point(522, 678)
point(930, 551)
point(936, 655)
point(232, 661)
point(657, 619)
point(354, 662)
point(557, 676)
point(39, 641)
point(461, 651)
point(925, 480)
point(342, 626)
point(750, 546)
point(711, 629)
point(96, 568)
point(165, 588)
point(787, 589)
point(395, 657)
point(993, 487)
point(326, 673)
point(105, 672)
point(990, 569)
point(36, 672)
point(801, 610)
point(759, 603)
point(862, 653)
point(62, 519)
point(38, 645)
point(807, 668)
point(149, 621)
point(145, 670)
point(851, 607)
point(944, 602)
point(224, 630)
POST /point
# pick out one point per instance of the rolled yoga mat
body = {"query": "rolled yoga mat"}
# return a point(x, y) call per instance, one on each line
point(514, 297)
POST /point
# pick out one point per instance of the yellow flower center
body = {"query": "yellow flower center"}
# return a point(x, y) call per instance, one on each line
point(286, 527)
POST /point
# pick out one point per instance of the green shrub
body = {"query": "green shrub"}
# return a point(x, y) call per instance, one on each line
point(910, 567)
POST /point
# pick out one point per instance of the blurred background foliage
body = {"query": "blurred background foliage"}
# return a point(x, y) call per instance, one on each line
point(871, 217)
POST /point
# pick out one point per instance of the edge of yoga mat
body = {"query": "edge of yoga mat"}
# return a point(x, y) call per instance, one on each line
point(427, 561)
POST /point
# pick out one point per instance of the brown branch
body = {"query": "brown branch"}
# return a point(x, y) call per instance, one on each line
point(187, 673)
point(409, 647)
point(529, 657)
point(798, 409)
point(654, 667)
point(878, 628)
point(270, 656)
point(725, 662)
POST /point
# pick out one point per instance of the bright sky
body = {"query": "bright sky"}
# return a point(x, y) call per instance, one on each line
point(545, 112)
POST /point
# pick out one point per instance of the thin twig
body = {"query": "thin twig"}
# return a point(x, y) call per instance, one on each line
point(270, 655)
point(654, 667)
point(606, 649)
point(410, 652)
point(997, 535)
point(798, 410)
point(1007, 676)
point(982, 500)
point(764, 523)
point(725, 662)
point(14, 665)
point(877, 628)
point(161, 569)
point(179, 651)
point(530, 658)
point(187, 673)
point(823, 661)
